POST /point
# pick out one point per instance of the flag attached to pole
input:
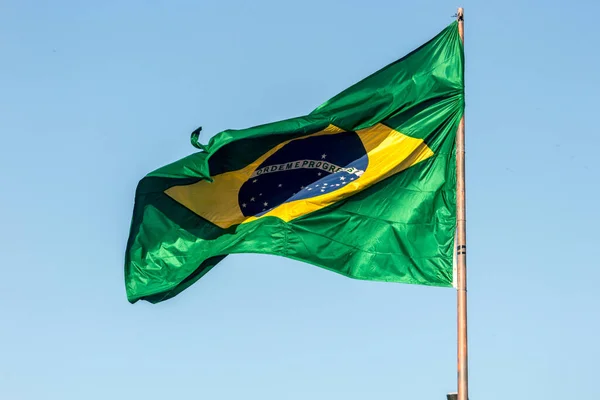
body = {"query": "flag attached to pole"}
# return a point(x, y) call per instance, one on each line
point(365, 185)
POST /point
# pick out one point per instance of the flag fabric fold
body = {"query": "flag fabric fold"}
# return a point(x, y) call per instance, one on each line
point(364, 185)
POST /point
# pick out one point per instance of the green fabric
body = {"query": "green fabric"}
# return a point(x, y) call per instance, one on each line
point(399, 230)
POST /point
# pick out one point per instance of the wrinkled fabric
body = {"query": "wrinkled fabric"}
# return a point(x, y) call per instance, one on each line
point(399, 228)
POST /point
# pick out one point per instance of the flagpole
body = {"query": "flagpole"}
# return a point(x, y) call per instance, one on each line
point(463, 377)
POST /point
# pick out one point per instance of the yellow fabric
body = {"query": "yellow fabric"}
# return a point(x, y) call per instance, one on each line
point(389, 152)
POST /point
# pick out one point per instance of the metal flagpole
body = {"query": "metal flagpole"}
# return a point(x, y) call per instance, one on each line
point(461, 248)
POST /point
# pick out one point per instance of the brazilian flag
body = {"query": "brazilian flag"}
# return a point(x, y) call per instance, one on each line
point(364, 185)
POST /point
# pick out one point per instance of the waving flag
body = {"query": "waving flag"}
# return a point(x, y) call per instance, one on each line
point(365, 185)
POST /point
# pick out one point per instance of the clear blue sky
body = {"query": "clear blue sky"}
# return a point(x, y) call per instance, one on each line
point(93, 95)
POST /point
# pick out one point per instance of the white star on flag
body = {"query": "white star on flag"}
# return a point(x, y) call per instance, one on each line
point(252, 199)
point(342, 179)
point(254, 181)
point(323, 156)
point(319, 174)
point(265, 204)
point(279, 185)
point(244, 205)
